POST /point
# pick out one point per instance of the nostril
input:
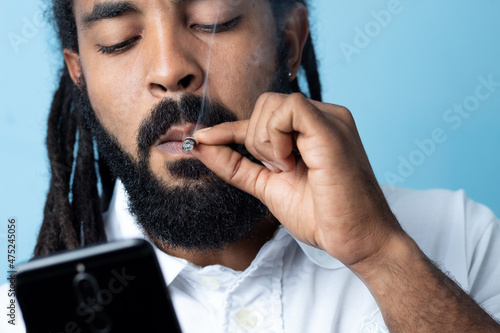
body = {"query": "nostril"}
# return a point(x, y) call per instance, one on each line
point(161, 87)
point(186, 81)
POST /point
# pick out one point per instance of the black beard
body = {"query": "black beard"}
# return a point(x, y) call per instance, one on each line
point(204, 213)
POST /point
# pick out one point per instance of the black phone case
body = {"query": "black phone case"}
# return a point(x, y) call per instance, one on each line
point(107, 288)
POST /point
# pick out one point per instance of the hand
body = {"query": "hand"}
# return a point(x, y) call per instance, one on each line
point(328, 197)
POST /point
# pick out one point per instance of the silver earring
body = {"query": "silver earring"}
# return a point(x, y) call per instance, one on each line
point(289, 74)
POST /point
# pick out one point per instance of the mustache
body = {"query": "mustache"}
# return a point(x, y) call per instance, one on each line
point(189, 108)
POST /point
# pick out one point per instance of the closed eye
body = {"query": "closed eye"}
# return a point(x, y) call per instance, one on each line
point(120, 47)
point(216, 28)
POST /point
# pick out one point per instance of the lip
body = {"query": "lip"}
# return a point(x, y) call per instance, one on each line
point(171, 142)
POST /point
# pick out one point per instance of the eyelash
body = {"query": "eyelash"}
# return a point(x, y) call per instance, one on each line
point(217, 28)
point(120, 47)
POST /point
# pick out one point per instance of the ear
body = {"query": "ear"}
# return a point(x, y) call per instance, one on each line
point(72, 60)
point(296, 30)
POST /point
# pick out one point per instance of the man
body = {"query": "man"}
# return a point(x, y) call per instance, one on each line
point(304, 241)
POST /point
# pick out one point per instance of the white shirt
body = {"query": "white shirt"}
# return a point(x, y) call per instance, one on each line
point(291, 287)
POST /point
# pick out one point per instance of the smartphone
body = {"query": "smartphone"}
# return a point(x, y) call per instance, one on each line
point(107, 288)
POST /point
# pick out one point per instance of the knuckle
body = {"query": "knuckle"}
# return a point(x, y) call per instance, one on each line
point(262, 135)
point(297, 99)
point(346, 115)
point(261, 141)
point(260, 187)
point(249, 143)
point(234, 175)
point(271, 124)
point(266, 95)
point(268, 103)
point(264, 98)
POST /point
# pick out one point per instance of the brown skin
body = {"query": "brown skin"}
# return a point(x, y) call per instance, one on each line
point(124, 87)
point(329, 198)
point(170, 50)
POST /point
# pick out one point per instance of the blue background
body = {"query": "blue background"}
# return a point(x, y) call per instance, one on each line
point(399, 80)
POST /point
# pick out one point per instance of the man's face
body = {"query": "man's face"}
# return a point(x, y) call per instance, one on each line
point(137, 53)
point(145, 65)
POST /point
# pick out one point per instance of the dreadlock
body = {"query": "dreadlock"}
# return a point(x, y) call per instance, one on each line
point(73, 210)
point(309, 61)
point(72, 213)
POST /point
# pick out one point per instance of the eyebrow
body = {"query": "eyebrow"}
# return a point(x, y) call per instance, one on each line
point(106, 10)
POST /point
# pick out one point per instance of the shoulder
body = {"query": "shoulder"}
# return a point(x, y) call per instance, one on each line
point(439, 211)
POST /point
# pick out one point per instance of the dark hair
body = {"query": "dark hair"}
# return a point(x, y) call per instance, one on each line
point(73, 210)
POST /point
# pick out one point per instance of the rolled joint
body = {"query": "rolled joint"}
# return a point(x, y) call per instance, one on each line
point(189, 144)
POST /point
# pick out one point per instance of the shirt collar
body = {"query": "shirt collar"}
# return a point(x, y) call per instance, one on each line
point(120, 224)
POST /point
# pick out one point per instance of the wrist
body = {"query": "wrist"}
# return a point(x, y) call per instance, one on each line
point(399, 253)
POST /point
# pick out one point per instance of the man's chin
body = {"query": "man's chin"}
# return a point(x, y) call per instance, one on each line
point(182, 183)
point(197, 211)
point(188, 170)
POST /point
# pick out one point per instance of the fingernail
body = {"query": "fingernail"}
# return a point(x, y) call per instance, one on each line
point(267, 165)
point(204, 129)
point(279, 166)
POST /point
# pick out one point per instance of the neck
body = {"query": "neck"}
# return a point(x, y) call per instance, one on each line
point(236, 256)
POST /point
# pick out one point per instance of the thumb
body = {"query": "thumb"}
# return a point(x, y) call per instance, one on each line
point(234, 169)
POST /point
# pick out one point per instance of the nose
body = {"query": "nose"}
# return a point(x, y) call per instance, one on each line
point(173, 66)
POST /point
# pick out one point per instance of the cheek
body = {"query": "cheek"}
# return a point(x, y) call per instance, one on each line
point(114, 96)
point(260, 65)
point(243, 73)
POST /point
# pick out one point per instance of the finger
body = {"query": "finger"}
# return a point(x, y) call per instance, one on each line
point(281, 138)
point(233, 134)
point(297, 120)
point(223, 134)
point(234, 169)
point(334, 111)
point(252, 126)
point(257, 141)
point(345, 120)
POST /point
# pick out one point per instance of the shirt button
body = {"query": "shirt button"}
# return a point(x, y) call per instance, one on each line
point(210, 283)
point(246, 319)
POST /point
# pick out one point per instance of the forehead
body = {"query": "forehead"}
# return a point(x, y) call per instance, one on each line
point(111, 8)
point(173, 3)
